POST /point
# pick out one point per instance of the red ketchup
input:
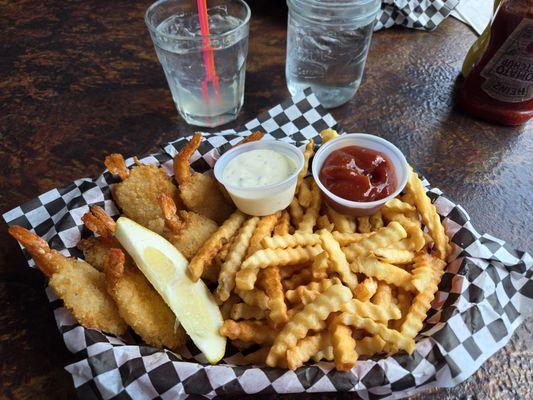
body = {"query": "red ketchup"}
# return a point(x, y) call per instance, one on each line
point(358, 174)
point(500, 86)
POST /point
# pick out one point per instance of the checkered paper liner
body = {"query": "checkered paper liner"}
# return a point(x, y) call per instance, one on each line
point(484, 295)
point(417, 14)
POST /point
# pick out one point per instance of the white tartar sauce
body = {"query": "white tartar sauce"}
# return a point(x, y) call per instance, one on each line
point(258, 168)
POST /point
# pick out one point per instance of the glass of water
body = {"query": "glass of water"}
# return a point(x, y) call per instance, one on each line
point(327, 45)
point(205, 73)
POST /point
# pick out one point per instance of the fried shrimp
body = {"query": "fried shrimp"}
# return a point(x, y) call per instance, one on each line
point(138, 193)
point(186, 230)
point(95, 249)
point(80, 285)
point(139, 303)
point(200, 193)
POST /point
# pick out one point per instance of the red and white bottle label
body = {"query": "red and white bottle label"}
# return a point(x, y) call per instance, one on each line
point(509, 73)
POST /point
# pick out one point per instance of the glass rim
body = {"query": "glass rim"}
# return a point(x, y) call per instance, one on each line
point(242, 23)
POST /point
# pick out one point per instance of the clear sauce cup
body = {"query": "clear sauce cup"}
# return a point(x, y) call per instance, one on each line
point(262, 200)
point(356, 208)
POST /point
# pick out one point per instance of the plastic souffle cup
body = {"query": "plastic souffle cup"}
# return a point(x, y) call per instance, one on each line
point(262, 200)
point(360, 208)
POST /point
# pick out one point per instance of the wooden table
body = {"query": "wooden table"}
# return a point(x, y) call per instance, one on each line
point(80, 79)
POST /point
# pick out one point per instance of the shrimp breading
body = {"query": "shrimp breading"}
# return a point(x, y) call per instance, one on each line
point(80, 285)
point(137, 195)
point(95, 249)
point(200, 193)
point(139, 303)
point(186, 230)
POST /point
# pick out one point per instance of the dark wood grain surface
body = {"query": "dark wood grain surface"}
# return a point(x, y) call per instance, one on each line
point(80, 79)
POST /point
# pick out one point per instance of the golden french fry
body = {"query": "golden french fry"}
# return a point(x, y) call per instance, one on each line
point(416, 315)
point(328, 134)
point(228, 270)
point(248, 331)
point(311, 317)
point(424, 270)
point(263, 230)
point(325, 351)
point(246, 311)
point(404, 300)
point(261, 259)
point(363, 225)
point(383, 295)
point(225, 307)
point(396, 205)
point(308, 153)
point(429, 215)
point(342, 223)
point(376, 220)
point(296, 211)
point(224, 250)
point(391, 336)
point(308, 293)
point(366, 289)
point(337, 259)
point(304, 350)
point(301, 278)
point(343, 343)
point(385, 272)
point(367, 309)
point(381, 238)
point(320, 266)
point(311, 213)
point(256, 297)
point(285, 272)
point(394, 256)
point(283, 225)
point(296, 239)
point(370, 345)
point(211, 247)
point(323, 222)
point(304, 194)
point(276, 300)
point(345, 239)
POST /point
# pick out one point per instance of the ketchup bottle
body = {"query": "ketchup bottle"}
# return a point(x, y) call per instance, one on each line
point(499, 88)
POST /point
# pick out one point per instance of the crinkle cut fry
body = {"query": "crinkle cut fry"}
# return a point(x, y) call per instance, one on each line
point(311, 317)
point(363, 224)
point(296, 239)
point(246, 311)
point(346, 239)
point(344, 346)
point(276, 299)
point(429, 215)
point(264, 228)
point(417, 313)
point(337, 259)
point(389, 335)
point(261, 259)
point(342, 223)
point(228, 270)
point(320, 266)
point(248, 331)
point(382, 238)
point(366, 289)
point(301, 292)
point(304, 350)
point(424, 270)
point(369, 310)
point(214, 244)
point(284, 224)
point(308, 153)
point(311, 213)
point(383, 271)
point(256, 297)
point(370, 345)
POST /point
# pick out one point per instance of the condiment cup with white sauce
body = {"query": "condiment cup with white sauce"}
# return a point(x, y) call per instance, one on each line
point(267, 199)
point(356, 208)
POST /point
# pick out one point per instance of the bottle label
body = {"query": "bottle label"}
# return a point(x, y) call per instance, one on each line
point(509, 73)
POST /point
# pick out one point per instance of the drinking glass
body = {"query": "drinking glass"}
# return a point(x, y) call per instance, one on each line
point(205, 72)
point(327, 45)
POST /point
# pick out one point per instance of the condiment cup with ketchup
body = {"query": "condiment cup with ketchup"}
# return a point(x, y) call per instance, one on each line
point(358, 173)
point(260, 176)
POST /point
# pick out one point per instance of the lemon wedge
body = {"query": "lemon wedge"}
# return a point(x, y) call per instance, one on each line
point(166, 269)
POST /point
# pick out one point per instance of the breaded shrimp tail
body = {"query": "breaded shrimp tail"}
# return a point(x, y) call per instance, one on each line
point(99, 222)
point(79, 284)
point(200, 193)
point(139, 303)
point(117, 166)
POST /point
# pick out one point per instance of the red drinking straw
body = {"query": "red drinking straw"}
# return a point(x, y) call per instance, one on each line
point(207, 51)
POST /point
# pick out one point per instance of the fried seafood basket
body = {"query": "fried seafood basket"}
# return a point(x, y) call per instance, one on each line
point(485, 292)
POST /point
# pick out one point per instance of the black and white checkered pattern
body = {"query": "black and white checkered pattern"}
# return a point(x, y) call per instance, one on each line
point(417, 14)
point(486, 292)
